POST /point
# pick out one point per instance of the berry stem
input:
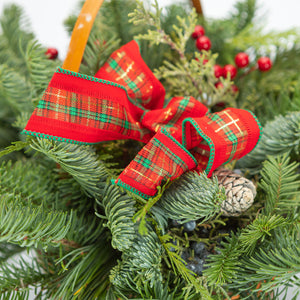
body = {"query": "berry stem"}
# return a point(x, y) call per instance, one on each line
point(253, 68)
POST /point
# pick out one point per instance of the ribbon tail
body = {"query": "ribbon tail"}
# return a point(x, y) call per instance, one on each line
point(161, 159)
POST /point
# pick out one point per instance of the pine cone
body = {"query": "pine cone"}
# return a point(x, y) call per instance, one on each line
point(240, 192)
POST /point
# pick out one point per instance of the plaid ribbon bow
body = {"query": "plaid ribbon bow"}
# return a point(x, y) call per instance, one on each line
point(126, 101)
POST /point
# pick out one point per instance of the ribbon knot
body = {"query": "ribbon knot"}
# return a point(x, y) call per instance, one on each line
point(126, 101)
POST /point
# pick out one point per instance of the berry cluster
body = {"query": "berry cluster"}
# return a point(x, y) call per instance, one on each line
point(196, 253)
point(241, 59)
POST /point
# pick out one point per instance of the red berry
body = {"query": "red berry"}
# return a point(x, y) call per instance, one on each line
point(264, 63)
point(51, 53)
point(218, 71)
point(198, 31)
point(234, 88)
point(219, 85)
point(231, 70)
point(203, 43)
point(241, 60)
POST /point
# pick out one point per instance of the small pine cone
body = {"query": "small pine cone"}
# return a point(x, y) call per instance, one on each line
point(240, 192)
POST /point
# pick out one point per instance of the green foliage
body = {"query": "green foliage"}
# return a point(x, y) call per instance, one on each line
point(162, 290)
point(80, 162)
point(31, 272)
point(88, 277)
point(178, 266)
point(15, 146)
point(30, 226)
point(260, 229)
point(271, 267)
point(192, 197)
point(281, 135)
point(181, 74)
point(280, 184)
point(58, 202)
point(119, 210)
point(223, 266)
point(140, 264)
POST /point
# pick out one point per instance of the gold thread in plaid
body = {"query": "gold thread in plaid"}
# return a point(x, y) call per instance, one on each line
point(88, 111)
point(127, 73)
point(231, 131)
point(154, 163)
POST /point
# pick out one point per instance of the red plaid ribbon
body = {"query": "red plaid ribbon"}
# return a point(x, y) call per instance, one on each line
point(126, 101)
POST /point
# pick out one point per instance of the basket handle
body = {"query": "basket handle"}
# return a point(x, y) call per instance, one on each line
point(80, 34)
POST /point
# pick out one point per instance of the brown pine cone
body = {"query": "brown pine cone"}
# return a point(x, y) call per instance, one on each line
point(240, 192)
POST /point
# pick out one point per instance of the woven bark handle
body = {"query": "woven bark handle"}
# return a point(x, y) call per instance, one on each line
point(80, 34)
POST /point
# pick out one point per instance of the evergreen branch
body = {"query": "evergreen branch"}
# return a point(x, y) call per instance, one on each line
point(87, 274)
point(166, 290)
point(14, 90)
point(223, 266)
point(79, 161)
point(119, 211)
point(280, 183)
point(8, 250)
point(178, 266)
point(159, 36)
point(97, 52)
point(281, 135)
point(39, 69)
point(29, 180)
point(15, 37)
point(141, 15)
point(259, 230)
point(15, 146)
point(31, 226)
point(140, 216)
point(271, 268)
point(192, 197)
point(141, 263)
point(16, 278)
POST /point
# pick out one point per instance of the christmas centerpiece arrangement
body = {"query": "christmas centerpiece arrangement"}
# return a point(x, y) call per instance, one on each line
point(159, 160)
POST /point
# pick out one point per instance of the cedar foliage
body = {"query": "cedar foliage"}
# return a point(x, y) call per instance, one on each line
point(85, 237)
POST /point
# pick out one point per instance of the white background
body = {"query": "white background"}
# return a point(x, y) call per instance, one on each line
point(47, 17)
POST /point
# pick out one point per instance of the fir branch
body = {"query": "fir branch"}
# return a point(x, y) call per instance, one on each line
point(223, 266)
point(119, 211)
point(79, 161)
point(97, 52)
point(15, 146)
point(15, 36)
point(273, 267)
point(8, 250)
point(192, 197)
point(167, 290)
point(261, 228)
point(31, 226)
point(39, 69)
point(14, 90)
point(141, 263)
point(87, 274)
point(15, 278)
point(29, 180)
point(280, 184)
point(281, 135)
point(178, 266)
